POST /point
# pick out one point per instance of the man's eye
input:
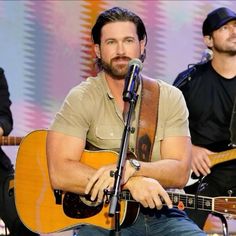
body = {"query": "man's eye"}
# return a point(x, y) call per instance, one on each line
point(225, 27)
point(129, 40)
point(110, 42)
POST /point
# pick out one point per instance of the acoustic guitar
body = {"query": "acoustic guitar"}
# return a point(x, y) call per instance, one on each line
point(38, 210)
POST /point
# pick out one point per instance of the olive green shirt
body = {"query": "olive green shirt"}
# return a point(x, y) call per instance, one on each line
point(90, 112)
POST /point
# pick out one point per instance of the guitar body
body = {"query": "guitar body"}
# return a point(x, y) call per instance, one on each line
point(35, 200)
point(39, 211)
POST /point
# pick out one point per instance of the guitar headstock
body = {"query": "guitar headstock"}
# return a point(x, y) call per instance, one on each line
point(225, 205)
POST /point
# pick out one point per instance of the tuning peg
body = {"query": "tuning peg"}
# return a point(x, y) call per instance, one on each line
point(230, 192)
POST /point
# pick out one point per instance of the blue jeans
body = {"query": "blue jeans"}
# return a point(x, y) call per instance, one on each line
point(169, 222)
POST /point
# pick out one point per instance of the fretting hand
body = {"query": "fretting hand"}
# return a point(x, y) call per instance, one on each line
point(148, 192)
point(200, 161)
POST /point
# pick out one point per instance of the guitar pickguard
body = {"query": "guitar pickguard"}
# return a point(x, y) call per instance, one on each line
point(80, 207)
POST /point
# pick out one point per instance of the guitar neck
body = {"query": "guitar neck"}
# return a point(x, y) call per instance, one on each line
point(221, 157)
point(10, 140)
point(191, 201)
point(182, 201)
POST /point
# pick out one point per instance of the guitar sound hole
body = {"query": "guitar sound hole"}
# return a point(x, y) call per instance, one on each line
point(79, 207)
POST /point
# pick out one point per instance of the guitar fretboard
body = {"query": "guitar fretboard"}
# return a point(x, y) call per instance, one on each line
point(191, 202)
point(223, 156)
point(10, 140)
point(182, 200)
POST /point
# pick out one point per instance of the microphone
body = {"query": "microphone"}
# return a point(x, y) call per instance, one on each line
point(185, 76)
point(207, 55)
point(132, 79)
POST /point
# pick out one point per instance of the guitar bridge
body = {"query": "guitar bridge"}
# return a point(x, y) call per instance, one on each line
point(58, 196)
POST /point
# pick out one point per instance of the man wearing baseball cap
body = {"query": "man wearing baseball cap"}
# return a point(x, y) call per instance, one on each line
point(216, 19)
point(210, 94)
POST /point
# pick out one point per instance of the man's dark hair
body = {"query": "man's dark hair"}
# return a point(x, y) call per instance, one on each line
point(117, 14)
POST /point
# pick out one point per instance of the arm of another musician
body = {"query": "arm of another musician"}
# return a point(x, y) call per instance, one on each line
point(201, 163)
point(6, 121)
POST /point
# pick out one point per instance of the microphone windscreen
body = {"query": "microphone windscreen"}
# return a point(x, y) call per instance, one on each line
point(136, 62)
point(207, 55)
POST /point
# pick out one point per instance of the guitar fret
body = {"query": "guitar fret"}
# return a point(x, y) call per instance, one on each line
point(189, 201)
point(200, 203)
point(203, 203)
point(10, 140)
point(207, 204)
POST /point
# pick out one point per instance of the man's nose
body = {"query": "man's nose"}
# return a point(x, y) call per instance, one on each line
point(120, 48)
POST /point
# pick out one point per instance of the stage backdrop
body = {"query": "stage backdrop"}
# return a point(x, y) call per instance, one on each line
point(46, 50)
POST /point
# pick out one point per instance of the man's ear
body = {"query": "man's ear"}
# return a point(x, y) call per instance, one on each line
point(208, 41)
point(97, 50)
point(142, 44)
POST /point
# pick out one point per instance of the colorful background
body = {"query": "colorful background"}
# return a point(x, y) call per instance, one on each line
point(45, 49)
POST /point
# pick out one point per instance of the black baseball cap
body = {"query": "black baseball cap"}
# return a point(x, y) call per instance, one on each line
point(216, 19)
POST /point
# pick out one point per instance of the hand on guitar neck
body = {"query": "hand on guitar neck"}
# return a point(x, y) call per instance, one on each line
point(201, 163)
point(203, 159)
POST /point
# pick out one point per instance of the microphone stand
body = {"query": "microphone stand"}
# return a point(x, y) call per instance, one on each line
point(114, 209)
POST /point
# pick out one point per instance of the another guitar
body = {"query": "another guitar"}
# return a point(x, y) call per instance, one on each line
point(10, 140)
point(215, 159)
point(35, 199)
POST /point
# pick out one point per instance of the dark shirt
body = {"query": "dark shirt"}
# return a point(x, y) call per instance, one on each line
point(6, 121)
point(210, 98)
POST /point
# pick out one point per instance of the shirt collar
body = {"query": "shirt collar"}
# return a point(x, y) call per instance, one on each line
point(108, 91)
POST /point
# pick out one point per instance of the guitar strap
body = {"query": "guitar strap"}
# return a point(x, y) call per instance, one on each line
point(148, 117)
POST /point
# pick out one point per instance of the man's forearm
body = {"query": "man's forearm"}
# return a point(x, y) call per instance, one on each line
point(169, 172)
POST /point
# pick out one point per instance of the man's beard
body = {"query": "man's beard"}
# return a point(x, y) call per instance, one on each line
point(230, 50)
point(117, 72)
